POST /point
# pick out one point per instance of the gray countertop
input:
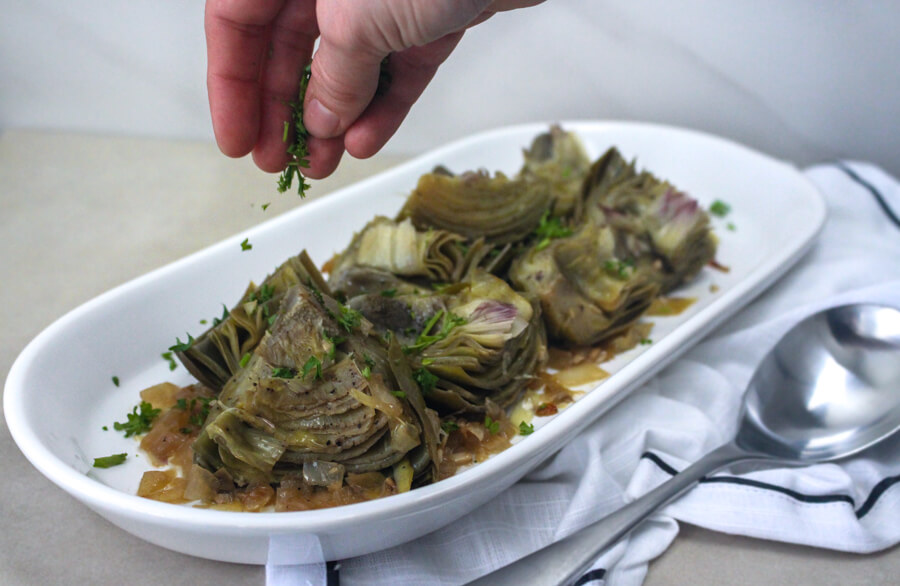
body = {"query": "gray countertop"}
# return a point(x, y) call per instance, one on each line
point(80, 214)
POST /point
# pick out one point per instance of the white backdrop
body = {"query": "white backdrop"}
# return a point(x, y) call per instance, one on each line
point(800, 79)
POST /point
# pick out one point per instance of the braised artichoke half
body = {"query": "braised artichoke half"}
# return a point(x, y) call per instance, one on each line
point(319, 398)
point(216, 354)
point(431, 255)
point(477, 205)
point(495, 342)
point(558, 159)
point(651, 218)
point(587, 292)
point(472, 344)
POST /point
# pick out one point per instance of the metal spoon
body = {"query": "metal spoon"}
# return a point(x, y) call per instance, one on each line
point(829, 389)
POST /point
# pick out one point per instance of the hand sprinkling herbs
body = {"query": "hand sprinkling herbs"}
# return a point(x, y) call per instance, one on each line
point(356, 99)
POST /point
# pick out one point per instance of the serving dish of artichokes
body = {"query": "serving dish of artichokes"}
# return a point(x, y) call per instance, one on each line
point(399, 365)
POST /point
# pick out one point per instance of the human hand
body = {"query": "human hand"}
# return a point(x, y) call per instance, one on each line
point(257, 50)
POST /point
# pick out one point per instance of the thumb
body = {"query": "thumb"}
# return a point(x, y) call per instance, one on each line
point(341, 85)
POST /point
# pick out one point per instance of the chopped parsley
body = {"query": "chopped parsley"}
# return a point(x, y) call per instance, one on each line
point(491, 425)
point(139, 420)
point(426, 339)
point(167, 356)
point(115, 380)
point(389, 293)
point(425, 380)
point(110, 461)
point(719, 208)
point(349, 318)
point(621, 269)
point(399, 394)
point(265, 206)
point(313, 364)
point(263, 294)
point(180, 346)
point(297, 149)
point(731, 226)
point(198, 418)
point(245, 244)
point(449, 426)
point(245, 359)
point(218, 320)
point(646, 341)
point(549, 229)
point(283, 372)
point(526, 428)
point(366, 371)
point(334, 345)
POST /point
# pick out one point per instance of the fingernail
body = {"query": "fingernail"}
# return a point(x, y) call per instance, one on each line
point(320, 121)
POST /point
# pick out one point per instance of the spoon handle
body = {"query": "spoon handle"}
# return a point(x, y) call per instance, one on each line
point(567, 559)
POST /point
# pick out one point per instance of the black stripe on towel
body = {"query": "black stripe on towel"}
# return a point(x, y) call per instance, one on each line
point(871, 189)
point(870, 501)
point(332, 574)
point(591, 576)
point(879, 489)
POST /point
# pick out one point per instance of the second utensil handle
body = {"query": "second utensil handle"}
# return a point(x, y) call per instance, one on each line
point(567, 559)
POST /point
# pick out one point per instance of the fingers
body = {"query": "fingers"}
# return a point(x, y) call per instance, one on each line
point(324, 156)
point(236, 39)
point(292, 35)
point(411, 71)
point(355, 38)
point(258, 48)
point(504, 5)
point(342, 84)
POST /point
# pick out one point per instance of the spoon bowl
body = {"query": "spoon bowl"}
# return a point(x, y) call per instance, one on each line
point(829, 389)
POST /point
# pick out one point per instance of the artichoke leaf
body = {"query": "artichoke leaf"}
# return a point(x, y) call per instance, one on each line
point(558, 159)
point(476, 205)
point(247, 452)
point(427, 418)
point(216, 354)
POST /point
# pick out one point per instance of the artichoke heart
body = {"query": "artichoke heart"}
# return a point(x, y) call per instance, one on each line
point(397, 247)
point(476, 204)
point(216, 354)
point(490, 350)
point(651, 219)
point(311, 401)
